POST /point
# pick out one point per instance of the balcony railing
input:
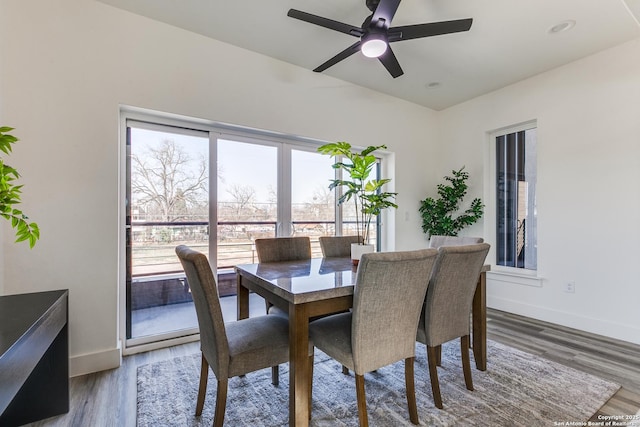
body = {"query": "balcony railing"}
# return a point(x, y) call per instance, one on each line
point(157, 278)
point(153, 243)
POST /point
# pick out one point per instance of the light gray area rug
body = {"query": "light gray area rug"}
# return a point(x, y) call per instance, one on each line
point(518, 389)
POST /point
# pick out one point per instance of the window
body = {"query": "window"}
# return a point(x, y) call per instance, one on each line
point(516, 226)
point(215, 189)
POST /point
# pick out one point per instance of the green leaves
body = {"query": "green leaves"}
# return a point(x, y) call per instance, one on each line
point(10, 195)
point(367, 194)
point(438, 214)
point(6, 140)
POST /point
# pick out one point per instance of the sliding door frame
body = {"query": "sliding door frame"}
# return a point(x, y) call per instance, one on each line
point(215, 131)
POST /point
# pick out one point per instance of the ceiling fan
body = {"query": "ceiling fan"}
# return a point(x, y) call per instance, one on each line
point(376, 33)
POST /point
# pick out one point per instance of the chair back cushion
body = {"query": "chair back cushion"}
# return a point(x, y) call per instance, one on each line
point(438, 241)
point(337, 246)
point(213, 336)
point(450, 293)
point(278, 249)
point(389, 292)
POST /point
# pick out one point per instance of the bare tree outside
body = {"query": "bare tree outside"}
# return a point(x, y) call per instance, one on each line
point(169, 185)
point(243, 200)
point(321, 204)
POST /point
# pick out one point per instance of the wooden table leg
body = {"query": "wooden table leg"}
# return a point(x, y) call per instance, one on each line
point(299, 369)
point(480, 323)
point(243, 298)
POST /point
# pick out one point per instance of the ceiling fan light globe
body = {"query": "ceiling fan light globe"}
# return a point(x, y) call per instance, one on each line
point(373, 48)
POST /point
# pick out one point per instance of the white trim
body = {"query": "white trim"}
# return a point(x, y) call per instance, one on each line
point(163, 337)
point(95, 362)
point(155, 345)
point(222, 129)
point(284, 171)
point(154, 277)
point(178, 129)
point(213, 194)
point(587, 322)
point(122, 232)
point(514, 278)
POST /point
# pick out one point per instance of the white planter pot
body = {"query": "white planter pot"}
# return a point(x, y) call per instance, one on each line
point(357, 250)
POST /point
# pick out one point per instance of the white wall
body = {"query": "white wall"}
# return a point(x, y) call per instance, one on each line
point(66, 67)
point(588, 116)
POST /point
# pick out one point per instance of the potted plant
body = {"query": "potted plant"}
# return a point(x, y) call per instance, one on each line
point(10, 194)
point(366, 193)
point(438, 214)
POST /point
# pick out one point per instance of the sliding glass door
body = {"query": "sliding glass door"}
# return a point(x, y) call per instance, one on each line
point(247, 199)
point(168, 194)
point(263, 186)
point(313, 205)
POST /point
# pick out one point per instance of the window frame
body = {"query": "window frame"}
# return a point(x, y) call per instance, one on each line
point(155, 120)
point(490, 195)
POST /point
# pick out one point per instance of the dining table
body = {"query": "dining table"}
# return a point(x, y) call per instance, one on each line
point(319, 286)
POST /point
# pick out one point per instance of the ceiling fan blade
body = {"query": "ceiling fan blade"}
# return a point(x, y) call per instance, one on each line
point(326, 23)
point(408, 32)
point(391, 63)
point(386, 10)
point(339, 57)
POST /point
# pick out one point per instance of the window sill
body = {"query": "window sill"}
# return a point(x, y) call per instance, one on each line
point(529, 278)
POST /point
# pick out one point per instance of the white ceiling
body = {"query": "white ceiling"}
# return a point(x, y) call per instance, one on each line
point(508, 41)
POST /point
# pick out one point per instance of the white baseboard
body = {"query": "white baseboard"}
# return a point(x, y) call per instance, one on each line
point(95, 362)
point(609, 329)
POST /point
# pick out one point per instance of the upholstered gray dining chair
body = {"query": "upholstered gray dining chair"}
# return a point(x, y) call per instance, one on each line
point(280, 249)
point(437, 241)
point(389, 291)
point(277, 249)
point(447, 307)
point(337, 246)
point(236, 348)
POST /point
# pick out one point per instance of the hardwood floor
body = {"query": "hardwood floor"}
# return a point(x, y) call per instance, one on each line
point(109, 398)
point(604, 357)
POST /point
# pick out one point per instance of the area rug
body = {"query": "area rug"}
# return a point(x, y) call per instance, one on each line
point(518, 389)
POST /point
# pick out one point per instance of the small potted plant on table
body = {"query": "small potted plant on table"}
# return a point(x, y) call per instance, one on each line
point(366, 193)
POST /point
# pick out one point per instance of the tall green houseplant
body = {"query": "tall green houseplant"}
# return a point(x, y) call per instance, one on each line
point(366, 193)
point(439, 215)
point(10, 194)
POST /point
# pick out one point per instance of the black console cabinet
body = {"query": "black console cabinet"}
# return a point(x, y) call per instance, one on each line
point(34, 357)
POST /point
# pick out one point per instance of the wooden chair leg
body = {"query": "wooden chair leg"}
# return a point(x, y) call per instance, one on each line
point(310, 383)
point(411, 389)
point(221, 402)
point(362, 401)
point(439, 355)
point(466, 364)
point(202, 388)
point(275, 375)
point(433, 374)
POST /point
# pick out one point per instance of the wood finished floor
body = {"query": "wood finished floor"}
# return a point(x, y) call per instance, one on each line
point(109, 398)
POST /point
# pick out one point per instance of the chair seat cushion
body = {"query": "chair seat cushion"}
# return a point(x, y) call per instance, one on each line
point(332, 335)
point(277, 311)
point(257, 343)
